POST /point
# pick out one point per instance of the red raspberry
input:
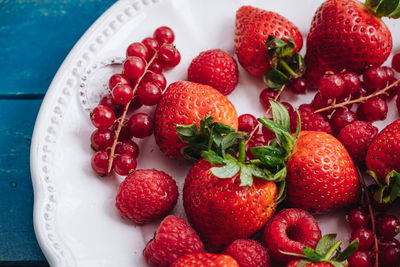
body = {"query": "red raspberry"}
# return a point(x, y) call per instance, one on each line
point(146, 195)
point(290, 231)
point(215, 68)
point(356, 137)
point(249, 253)
point(173, 239)
point(310, 121)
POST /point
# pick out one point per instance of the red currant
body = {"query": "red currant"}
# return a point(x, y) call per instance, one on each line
point(101, 139)
point(149, 93)
point(374, 78)
point(124, 164)
point(375, 109)
point(357, 218)
point(266, 95)
point(100, 162)
point(138, 50)
point(124, 134)
point(127, 147)
point(102, 117)
point(247, 123)
point(390, 256)
point(267, 133)
point(392, 91)
point(387, 243)
point(398, 101)
point(164, 35)
point(321, 102)
point(169, 55)
point(360, 258)
point(108, 101)
point(365, 237)
point(351, 82)
point(140, 125)
point(340, 118)
point(122, 94)
point(331, 86)
point(299, 85)
point(389, 73)
point(156, 78)
point(135, 104)
point(156, 67)
point(134, 67)
point(396, 62)
point(152, 46)
point(388, 226)
point(117, 78)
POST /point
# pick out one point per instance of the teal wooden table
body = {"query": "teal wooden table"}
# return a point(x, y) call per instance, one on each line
point(35, 37)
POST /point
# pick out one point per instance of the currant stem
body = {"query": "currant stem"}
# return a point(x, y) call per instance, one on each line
point(371, 215)
point(359, 100)
point(126, 107)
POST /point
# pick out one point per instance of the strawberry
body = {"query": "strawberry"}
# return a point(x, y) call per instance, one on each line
point(345, 34)
point(321, 176)
point(324, 253)
point(221, 210)
point(205, 260)
point(253, 26)
point(187, 103)
point(383, 154)
point(215, 68)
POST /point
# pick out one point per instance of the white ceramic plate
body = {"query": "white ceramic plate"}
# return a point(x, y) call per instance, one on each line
point(75, 220)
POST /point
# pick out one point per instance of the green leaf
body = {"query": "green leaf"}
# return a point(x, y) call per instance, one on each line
point(280, 175)
point(336, 264)
point(281, 192)
point(311, 254)
point(280, 114)
point(373, 175)
point(268, 155)
point(345, 254)
point(325, 243)
point(394, 193)
point(212, 157)
point(258, 172)
point(372, 3)
point(395, 14)
point(222, 128)
point(228, 171)
point(386, 7)
point(275, 79)
point(231, 139)
point(186, 132)
point(298, 127)
point(246, 176)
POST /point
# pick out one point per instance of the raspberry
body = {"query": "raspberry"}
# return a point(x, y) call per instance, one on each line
point(173, 239)
point(356, 137)
point(290, 231)
point(310, 121)
point(340, 118)
point(146, 195)
point(249, 253)
point(215, 68)
point(205, 260)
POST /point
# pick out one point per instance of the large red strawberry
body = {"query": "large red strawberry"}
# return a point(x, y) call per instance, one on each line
point(253, 26)
point(321, 176)
point(221, 210)
point(346, 34)
point(186, 103)
point(383, 154)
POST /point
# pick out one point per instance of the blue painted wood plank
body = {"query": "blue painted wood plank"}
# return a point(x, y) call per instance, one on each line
point(36, 36)
point(18, 245)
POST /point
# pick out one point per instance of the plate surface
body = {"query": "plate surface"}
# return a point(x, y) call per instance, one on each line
point(75, 220)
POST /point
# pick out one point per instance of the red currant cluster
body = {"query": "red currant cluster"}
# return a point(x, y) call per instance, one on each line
point(387, 227)
point(140, 83)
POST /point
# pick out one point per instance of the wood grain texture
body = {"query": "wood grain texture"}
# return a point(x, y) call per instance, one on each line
point(35, 37)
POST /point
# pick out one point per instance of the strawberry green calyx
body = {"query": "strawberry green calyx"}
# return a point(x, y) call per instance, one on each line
point(388, 192)
point(285, 63)
point(384, 8)
point(211, 135)
point(327, 250)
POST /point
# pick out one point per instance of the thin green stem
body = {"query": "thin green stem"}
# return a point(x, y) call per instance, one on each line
point(287, 68)
point(242, 151)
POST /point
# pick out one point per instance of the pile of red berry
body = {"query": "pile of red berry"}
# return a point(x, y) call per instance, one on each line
point(140, 83)
point(387, 227)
